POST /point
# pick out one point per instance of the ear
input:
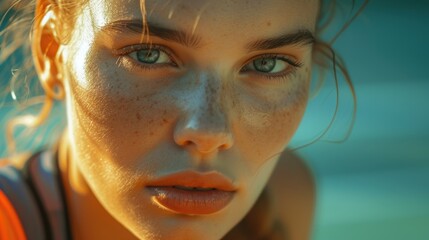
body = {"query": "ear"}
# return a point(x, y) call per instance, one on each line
point(47, 50)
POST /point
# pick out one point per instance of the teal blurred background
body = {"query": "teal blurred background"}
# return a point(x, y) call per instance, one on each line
point(376, 184)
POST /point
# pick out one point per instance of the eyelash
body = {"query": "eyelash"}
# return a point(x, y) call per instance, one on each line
point(281, 76)
point(125, 52)
point(294, 64)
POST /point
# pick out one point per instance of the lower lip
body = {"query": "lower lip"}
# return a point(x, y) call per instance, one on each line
point(191, 202)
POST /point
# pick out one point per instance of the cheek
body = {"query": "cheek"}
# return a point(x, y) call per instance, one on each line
point(114, 116)
point(266, 124)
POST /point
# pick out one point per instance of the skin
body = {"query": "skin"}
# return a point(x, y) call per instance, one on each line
point(128, 125)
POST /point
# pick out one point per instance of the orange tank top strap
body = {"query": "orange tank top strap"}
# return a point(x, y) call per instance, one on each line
point(10, 225)
point(31, 200)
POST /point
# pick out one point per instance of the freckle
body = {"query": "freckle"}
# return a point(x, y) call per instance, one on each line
point(138, 116)
point(136, 132)
point(165, 120)
point(151, 133)
point(268, 23)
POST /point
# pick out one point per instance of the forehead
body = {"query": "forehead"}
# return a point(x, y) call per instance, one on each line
point(208, 17)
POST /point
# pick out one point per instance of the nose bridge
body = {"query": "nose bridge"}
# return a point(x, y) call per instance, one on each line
point(205, 122)
point(211, 105)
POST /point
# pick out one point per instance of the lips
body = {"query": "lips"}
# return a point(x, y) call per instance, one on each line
point(192, 193)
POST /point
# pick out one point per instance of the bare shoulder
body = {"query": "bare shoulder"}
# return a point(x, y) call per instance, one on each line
point(293, 191)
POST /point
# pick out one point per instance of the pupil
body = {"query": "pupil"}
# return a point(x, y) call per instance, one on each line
point(148, 56)
point(264, 64)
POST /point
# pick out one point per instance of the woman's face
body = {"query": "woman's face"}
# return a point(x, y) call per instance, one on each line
point(177, 131)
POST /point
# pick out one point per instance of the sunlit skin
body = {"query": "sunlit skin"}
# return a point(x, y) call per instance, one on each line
point(201, 106)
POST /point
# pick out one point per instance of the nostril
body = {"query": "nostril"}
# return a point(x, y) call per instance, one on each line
point(203, 141)
point(213, 143)
point(182, 141)
point(225, 146)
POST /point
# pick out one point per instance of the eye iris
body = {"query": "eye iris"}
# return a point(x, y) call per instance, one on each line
point(264, 64)
point(148, 56)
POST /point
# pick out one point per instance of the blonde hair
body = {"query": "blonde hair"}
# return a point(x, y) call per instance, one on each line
point(22, 92)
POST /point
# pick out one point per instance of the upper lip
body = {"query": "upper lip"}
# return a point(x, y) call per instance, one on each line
point(195, 179)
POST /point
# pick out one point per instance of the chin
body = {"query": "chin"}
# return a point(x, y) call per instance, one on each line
point(184, 231)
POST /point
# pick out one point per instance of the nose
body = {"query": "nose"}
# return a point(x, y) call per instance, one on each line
point(206, 138)
point(204, 124)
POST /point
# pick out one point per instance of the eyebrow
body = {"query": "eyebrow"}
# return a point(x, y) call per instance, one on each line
point(301, 37)
point(138, 27)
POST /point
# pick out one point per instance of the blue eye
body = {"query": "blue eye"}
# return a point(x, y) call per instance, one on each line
point(270, 64)
point(272, 67)
point(148, 56)
point(151, 56)
point(264, 64)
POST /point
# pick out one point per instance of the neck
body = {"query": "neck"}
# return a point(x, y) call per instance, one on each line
point(88, 218)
